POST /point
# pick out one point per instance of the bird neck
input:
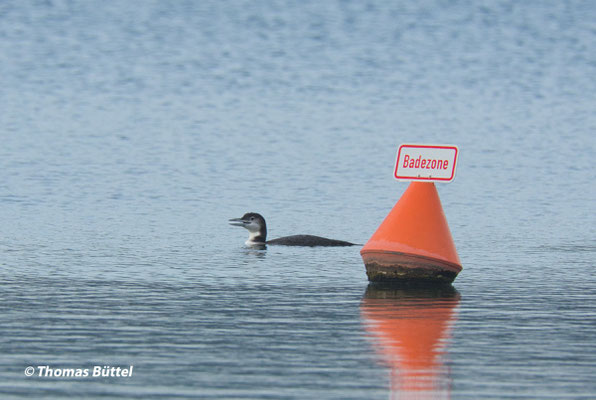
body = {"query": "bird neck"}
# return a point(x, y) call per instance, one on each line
point(258, 237)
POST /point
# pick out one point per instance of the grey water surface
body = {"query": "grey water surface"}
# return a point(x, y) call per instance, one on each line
point(130, 132)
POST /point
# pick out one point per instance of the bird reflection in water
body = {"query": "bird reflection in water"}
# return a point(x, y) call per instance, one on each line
point(410, 330)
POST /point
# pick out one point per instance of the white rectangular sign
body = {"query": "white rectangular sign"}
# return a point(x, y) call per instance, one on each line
point(421, 162)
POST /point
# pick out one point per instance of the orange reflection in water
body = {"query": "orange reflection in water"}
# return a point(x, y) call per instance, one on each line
point(411, 330)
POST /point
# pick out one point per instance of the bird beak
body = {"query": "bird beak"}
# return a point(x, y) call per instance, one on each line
point(237, 222)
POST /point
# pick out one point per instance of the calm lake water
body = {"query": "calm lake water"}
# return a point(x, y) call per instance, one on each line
point(132, 131)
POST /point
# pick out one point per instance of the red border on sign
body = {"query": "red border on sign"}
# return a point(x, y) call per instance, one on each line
point(425, 146)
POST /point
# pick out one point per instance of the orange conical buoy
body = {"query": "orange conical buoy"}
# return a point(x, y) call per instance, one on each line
point(414, 241)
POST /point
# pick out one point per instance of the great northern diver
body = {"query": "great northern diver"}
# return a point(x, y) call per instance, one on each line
point(257, 228)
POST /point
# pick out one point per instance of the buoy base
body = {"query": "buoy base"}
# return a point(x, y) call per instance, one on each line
point(388, 266)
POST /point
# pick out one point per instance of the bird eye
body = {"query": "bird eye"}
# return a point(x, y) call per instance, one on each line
point(252, 218)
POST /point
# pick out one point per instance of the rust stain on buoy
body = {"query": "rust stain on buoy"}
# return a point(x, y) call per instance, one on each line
point(414, 241)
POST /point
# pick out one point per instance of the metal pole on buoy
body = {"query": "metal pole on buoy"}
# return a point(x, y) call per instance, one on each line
point(414, 243)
